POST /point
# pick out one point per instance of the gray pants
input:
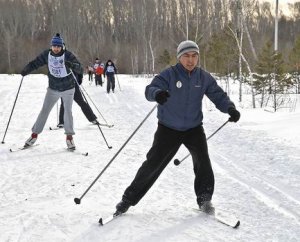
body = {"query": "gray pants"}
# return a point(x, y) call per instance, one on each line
point(51, 98)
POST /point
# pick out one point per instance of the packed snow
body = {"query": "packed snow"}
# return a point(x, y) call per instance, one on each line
point(256, 163)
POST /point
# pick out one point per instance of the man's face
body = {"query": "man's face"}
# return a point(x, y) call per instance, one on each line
point(189, 60)
point(56, 49)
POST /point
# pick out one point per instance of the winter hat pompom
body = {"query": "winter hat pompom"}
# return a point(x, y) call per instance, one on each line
point(186, 46)
point(57, 40)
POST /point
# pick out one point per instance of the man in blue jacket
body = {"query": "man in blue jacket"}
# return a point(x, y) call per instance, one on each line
point(60, 63)
point(179, 91)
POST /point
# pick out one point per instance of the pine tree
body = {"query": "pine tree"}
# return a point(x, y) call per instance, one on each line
point(294, 64)
point(164, 59)
point(271, 78)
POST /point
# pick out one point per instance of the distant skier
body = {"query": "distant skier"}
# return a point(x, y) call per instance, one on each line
point(98, 77)
point(109, 71)
point(99, 71)
point(59, 62)
point(90, 71)
point(179, 91)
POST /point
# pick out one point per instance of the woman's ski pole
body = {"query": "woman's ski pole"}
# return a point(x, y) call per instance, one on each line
point(108, 146)
point(12, 110)
point(108, 125)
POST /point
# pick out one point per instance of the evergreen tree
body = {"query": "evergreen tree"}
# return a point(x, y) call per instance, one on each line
point(164, 59)
point(271, 78)
point(222, 54)
point(294, 64)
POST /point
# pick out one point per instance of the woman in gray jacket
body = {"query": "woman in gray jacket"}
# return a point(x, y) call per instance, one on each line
point(60, 63)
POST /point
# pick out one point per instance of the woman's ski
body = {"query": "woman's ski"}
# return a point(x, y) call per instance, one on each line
point(22, 148)
point(77, 152)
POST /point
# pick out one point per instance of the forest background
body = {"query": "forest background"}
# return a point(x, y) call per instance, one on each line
point(141, 36)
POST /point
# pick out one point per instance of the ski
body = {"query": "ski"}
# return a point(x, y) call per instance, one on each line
point(22, 148)
point(109, 219)
point(218, 216)
point(55, 128)
point(106, 125)
point(223, 218)
point(77, 152)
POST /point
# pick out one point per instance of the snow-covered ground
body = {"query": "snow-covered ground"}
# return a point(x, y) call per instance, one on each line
point(256, 163)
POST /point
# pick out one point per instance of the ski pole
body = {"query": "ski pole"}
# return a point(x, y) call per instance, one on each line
point(109, 147)
point(12, 110)
point(78, 200)
point(118, 83)
point(82, 88)
point(178, 162)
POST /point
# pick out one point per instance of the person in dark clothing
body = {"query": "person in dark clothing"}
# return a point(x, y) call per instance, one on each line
point(90, 71)
point(60, 63)
point(85, 107)
point(179, 91)
point(109, 71)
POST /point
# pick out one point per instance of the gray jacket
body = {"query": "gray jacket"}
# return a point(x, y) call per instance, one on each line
point(59, 84)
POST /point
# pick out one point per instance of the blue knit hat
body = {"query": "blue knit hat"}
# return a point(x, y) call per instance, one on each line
point(57, 40)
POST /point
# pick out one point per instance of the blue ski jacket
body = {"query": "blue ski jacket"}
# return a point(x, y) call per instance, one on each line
point(183, 109)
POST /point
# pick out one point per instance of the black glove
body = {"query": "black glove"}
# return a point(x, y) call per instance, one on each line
point(161, 97)
point(69, 64)
point(24, 72)
point(234, 114)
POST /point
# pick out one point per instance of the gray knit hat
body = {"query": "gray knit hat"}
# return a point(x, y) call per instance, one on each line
point(186, 46)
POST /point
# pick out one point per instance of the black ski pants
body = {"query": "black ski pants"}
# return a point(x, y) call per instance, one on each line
point(165, 145)
point(110, 82)
point(85, 107)
point(90, 76)
point(98, 79)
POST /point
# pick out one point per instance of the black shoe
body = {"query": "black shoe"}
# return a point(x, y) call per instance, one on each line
point(60, 125)
point(122, 207)
point(207, 207)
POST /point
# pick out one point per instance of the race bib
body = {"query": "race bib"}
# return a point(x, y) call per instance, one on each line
point(110, 69)
point(56, 66)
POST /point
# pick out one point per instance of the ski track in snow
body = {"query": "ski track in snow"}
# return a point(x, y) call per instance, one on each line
point(257, 176)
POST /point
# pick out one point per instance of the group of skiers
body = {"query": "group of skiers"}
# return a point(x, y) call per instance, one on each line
point(98, 69)
point(178, 91)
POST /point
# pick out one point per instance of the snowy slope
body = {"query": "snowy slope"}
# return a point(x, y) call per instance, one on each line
point(256, 163)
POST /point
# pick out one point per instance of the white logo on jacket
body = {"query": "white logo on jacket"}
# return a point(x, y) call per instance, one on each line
point(178, 84)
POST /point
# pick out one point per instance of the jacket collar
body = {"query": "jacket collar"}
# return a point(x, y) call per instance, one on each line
point(182, 69)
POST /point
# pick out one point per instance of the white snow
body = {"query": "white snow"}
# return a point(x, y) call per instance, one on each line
point(256, 163)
